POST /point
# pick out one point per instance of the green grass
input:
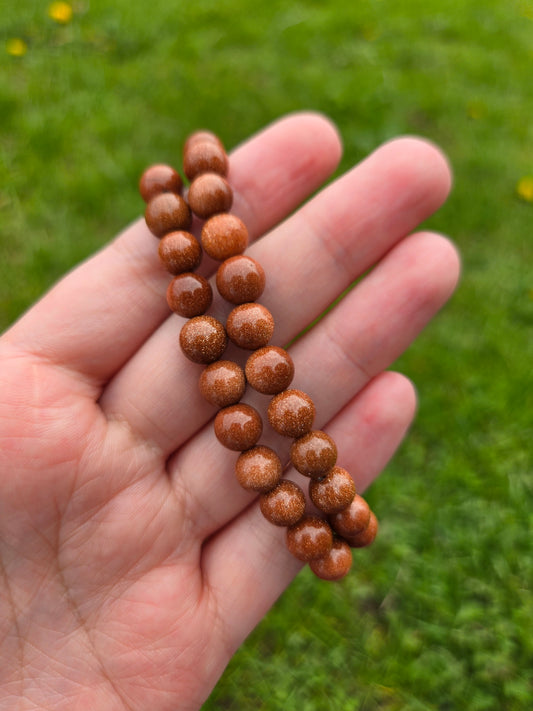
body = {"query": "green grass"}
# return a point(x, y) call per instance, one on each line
point(438, 614)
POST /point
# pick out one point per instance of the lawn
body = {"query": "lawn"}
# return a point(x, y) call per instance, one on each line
point(438, 614)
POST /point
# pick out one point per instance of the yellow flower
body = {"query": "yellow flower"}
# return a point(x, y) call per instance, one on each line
point(60, 12)
point(16, 47)
point(524, 188)
point(475, 110)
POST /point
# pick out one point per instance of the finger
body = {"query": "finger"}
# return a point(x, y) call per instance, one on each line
point(356, 341)
point(247, 565)
point(98, 316)
point(309, 261)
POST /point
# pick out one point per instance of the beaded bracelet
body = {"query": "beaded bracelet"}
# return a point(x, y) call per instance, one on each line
point(325, 542)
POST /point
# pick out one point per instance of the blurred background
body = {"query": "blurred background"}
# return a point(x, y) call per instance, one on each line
point(438, 614)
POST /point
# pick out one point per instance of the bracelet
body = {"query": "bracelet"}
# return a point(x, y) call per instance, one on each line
point(324, 541)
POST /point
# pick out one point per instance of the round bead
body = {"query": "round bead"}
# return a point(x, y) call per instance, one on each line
point(353, 519)
point(250, 326)
point(240, 279)
point(269, 370)
point(222, 383)
point(291, 413)
point(310, 538)
point(224, 236)
point(335, 564)
point(180, 252)
point(209, 194)
point(334, 492)
point(314, 454)
point(189, 295)
point(366, 536)
point(203, 339)
point(167, 212)
point(204, 157)
point(284, 505)
point(158, 179)
point(201, 136)
point(258, 469)
point(238, 427)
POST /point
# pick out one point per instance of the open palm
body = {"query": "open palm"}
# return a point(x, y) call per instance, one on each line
point(132, 565)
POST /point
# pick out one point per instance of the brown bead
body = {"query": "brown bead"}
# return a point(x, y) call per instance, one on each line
point(258, 469)
point(269, 370)
point(334, 492)
point(203, 339)
point(204, 157)
point(167, 212)
point(291, 413)
point(222, 383)
point(314, 454)
point(335, 564)
point(353, 519)
point(201, 136)
point(310, 538)
point(238, 427)
point(240, 279)
point(284, 505)
point(209, 194)
point(180, 252)
point(158, 179)
point(224, 236)
point(189, 295)
point(366, 536)
point(250, 326)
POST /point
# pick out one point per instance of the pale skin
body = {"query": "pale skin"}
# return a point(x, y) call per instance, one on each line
point(132, 564)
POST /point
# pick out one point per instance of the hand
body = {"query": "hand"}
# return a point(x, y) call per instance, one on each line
point(132, 563)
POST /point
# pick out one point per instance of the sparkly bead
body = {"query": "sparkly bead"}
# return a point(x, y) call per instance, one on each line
point(353, 519)
point(204, 157)
point(334, 492)
point(335, 564)
point(284, 505)
point(258, 469)
point(291, 413)
point(189, 295)
point(314, 454)
point(209, 194)
point(222, 383)
point(240, 279)
point(366, 536)
point(310, 538)
point(201, 136)
point(158, 179)
point(250, 326)
point(180, 252)
point(167, 212)
point(238, 427)
point(203, 339)
point(269, 370)
point(224, 236)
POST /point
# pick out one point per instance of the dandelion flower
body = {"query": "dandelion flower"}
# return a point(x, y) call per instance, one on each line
point(475, 110)
point(524, 188)
point(16, 47)
point(60, 12)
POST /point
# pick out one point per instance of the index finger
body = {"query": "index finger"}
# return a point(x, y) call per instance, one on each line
point(98, 316)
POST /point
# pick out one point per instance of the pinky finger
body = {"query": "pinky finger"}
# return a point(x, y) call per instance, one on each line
point(247, 565)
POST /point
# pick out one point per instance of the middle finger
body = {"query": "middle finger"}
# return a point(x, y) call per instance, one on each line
point(309, 260)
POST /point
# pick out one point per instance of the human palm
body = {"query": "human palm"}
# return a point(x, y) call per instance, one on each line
point(132, 563)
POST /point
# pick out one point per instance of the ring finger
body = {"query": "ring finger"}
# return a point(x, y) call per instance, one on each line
point(352, 345)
